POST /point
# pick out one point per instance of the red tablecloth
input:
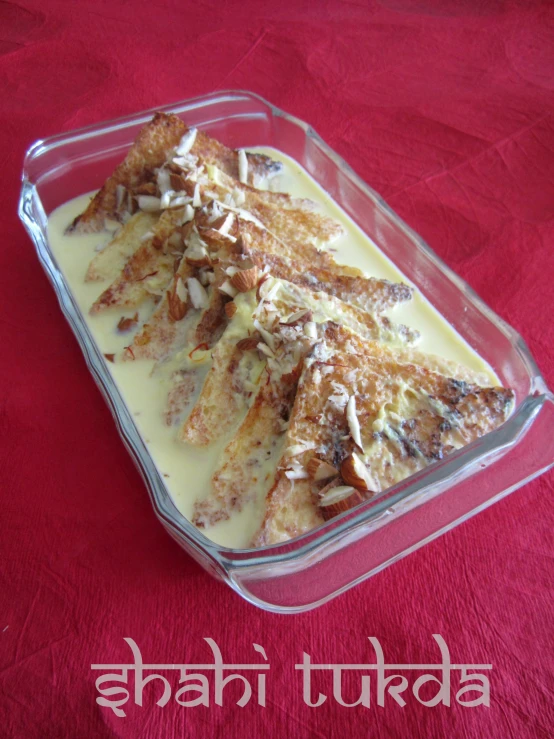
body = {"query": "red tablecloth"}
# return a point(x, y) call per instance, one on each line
point(445, 107)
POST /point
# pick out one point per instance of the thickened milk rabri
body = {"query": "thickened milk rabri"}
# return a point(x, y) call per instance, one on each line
point(187, 470)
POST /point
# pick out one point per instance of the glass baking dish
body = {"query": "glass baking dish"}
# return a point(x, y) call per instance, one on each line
point(308, 571)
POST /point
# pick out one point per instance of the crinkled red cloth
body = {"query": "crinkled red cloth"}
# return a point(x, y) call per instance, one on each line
point(445, 107)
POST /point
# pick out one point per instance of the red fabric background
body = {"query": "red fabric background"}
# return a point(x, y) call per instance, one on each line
point(446, 108)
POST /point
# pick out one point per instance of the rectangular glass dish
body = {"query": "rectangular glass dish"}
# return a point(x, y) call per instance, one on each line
point(313, 568)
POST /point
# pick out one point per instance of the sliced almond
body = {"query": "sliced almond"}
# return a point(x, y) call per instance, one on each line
point(296, 474)
point(206, 276)
point(165, 200)
point(267, 336)
point(319, 469)
point(198, 294)
point(227, 224)
point(120, 198)
point(245, 279)
point(163, 180)
point(295, 317)
point(177, 300)
point(188, 162)
point(188, 214)
point(198, 261)
point(230, 308)
point(335, 499)
point(355, 473)
point(149, 203)
point(178, 182)
point(175, 240)
point(181, 290)
point(310, 329)
point(146, 188)
point(146, 236)
point(196, 199)
point(259, 292)
point(216, 213)
point(248, 344)
point(353, 423)
point(264, 349)
point(243, 166)
point(196, 253)
point(126, 324)
point(228, 289)
point(177, 202)
point(186, 143)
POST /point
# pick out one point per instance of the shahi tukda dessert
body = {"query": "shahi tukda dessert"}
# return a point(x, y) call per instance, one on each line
point(271, 385)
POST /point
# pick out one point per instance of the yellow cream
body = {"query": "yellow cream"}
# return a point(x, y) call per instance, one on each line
point(187, 470)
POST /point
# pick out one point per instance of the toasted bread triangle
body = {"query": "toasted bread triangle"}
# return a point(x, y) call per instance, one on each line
point(149, 269)
point(267, 253)
point(150, 151)
point(408, 415)
point(111, 261)
point(233, 366)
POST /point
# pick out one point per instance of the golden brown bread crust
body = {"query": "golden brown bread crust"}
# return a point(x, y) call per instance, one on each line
point(210, 419)
point(300, 224)
point(162, 334)
point(214, 152)
point(148, 270)
point(248, 463)
point(225, 393)
point(110, 262)
point(409, 417)
point(315, 269)
point(183, 387)
point(236, 480)
point(158, 337)
point(150, 151)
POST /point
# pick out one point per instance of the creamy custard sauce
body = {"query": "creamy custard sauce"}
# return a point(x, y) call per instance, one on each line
point(186, 469)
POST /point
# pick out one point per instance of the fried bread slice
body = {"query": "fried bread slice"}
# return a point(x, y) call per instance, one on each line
point(149, 151)
point(244, 246)
point(316, 270)
point(247, 463)
point(231, 381)
point(110, 262)
point(150, 257)
point(303, 225)
point(249, 460)
point(150, 268)
point(137, 174)
point(162, 335)
point(286, 313)
point(403, 418)
point(291, 219)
